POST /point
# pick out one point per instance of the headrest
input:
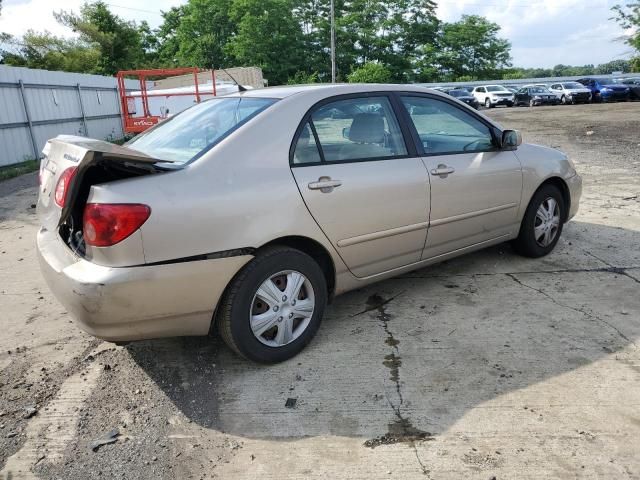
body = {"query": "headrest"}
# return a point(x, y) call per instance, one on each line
point(367, 128)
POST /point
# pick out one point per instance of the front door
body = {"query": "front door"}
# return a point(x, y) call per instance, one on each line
point(367, 192)
point(475, 187)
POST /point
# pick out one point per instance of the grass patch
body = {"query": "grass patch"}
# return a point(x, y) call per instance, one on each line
point(18, 169)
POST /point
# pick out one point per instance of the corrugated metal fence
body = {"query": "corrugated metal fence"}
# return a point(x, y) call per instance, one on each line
point(36, 105)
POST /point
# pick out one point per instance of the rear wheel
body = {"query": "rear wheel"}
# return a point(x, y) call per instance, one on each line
point(274, 305)
point(542, 223)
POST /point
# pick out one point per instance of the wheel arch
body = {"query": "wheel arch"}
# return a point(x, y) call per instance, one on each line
point(561, 185)
point(316, 251)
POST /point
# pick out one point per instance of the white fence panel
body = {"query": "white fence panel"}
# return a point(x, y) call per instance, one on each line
point(36, 105)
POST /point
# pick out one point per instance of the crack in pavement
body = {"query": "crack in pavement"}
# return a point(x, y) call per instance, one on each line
point(575, 309)
point(611, 268)
point(400, 430)
point(608, 269)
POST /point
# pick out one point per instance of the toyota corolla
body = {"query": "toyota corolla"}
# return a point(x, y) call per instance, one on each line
point(246, 214)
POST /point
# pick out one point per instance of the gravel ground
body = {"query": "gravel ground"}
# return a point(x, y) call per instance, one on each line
point(487, 366)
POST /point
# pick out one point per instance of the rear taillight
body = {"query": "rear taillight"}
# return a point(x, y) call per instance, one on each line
point(106, 224)
point(62, 187)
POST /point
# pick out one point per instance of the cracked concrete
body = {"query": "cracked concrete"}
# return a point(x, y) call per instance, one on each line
point(517, 368)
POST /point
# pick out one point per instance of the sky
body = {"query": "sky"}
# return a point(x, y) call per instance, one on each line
point(543, 33)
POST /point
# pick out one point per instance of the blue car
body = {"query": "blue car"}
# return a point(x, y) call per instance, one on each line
point(605, 90)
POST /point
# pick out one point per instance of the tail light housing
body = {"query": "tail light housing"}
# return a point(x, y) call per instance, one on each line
point(62, 187)
point(105, 224)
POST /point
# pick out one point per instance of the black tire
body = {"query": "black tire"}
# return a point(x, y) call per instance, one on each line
point(563, 100)
point(487, 103)
point(233, 315)
point(526, 243)
point(531, 103)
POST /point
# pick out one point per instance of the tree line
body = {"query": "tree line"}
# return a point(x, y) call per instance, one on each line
point(381, 41)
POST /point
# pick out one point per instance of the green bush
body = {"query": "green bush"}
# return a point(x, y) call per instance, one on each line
point(371, 72)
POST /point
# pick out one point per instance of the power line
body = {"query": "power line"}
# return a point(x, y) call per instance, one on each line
point(155, 12)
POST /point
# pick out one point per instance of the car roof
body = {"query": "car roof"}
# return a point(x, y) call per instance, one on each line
point(329, 89)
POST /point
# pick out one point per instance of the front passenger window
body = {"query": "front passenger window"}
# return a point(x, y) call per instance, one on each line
point(444, 128)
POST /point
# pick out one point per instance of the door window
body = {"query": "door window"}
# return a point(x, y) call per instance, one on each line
point(306, 148)
point(444, 128)
point(353, 129)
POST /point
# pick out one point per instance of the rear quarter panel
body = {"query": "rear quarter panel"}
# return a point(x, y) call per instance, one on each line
point(240, 194)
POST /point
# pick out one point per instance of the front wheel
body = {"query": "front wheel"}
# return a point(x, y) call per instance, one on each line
point(542, 223)
point(532, 103)
point(273, 307)
point(487, 103)
point(563, 100)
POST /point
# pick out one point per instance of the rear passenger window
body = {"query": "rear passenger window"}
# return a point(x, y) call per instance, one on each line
point(306, 149)
point(358, 129)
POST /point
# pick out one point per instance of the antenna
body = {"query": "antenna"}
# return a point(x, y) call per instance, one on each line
point(240, 87)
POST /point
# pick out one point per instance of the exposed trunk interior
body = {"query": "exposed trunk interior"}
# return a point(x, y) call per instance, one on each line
point(101, 169)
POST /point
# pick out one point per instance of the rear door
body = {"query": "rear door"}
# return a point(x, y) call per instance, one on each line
point(362, 181)
point(475, 187)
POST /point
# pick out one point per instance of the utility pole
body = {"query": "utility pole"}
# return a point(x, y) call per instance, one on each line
point(333, 43)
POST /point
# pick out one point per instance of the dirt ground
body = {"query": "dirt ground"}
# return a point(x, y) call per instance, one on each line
point(488, 366)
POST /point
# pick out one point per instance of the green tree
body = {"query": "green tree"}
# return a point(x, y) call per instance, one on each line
point(628, 17)
point(203, 30)
point(118, 41)
point(370, 72)
point(48, 52)
point(267, 36)
point(303, 78)
point(168, 44)
point(613, 66)
point(472, 47)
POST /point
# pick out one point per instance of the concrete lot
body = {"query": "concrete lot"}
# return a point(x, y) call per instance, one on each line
point(489, 366)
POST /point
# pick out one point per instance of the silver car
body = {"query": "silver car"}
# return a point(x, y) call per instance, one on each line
point(571, 92)
point(249, 213)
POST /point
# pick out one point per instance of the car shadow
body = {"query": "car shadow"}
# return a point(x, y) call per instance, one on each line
point(408, 357)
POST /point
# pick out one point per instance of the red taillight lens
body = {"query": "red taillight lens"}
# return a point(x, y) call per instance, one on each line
point(106, 224)
point(62, 188)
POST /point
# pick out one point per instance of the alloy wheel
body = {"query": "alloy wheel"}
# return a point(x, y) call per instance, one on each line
point(546, 222)
point(282, 308)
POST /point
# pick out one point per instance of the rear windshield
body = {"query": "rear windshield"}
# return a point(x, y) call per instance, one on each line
point(189, 134)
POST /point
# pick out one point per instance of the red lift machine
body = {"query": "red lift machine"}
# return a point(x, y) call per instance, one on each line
point(133, 123)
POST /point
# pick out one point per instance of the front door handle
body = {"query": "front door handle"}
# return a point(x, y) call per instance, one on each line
point(442, 170)
point(325, 184)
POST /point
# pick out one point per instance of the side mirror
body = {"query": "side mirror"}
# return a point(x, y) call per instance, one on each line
point(511, 139)
point(345, 132)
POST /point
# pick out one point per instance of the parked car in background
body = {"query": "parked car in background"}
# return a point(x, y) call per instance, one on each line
point(464, 96)
point(250, 228)
point(493, 95)
point(634, 86)
point(605, 90)
point(571, 92)
point(534, 95)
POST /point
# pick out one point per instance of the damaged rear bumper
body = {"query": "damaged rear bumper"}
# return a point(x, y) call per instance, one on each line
point(135, 303)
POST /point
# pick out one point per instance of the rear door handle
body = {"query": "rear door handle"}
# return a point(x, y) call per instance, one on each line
point(442, 170)
point(325, 184)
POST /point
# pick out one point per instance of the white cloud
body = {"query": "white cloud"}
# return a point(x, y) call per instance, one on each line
point(544, 33)
point(18, 16)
